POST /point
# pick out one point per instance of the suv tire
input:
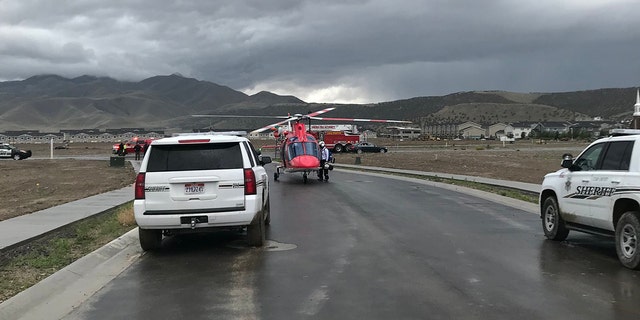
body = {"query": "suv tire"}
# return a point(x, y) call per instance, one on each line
point(150, 239)
point(552, 223)
point(627, 237)
point(255, 231)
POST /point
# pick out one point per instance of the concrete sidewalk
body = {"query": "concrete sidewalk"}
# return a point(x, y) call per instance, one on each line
point(19, 230)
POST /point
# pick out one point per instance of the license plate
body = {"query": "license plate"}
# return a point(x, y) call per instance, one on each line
point(193, 188)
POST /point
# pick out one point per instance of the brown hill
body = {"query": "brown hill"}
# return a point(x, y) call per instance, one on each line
point(50, 103)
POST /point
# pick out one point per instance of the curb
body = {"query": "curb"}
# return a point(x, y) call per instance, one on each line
point(62, 292)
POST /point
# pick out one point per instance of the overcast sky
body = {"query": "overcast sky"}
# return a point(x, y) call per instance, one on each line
point(331, 50)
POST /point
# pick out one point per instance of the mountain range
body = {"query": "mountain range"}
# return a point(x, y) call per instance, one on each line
point(49, 103)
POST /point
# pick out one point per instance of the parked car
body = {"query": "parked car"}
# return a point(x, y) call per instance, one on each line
point(9, 151)
point(367, 147)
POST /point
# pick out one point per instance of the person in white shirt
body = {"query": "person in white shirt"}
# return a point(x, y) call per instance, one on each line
point(325, 156)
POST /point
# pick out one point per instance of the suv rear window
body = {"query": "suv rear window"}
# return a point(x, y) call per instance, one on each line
point(184, 157)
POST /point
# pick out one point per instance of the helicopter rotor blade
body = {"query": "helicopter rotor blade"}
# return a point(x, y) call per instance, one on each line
point(273, 125)
point(313, 114)
point(292, 118)
point(360, 120)
point(235, 116)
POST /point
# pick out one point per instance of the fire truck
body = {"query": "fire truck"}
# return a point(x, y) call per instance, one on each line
point(338, 141)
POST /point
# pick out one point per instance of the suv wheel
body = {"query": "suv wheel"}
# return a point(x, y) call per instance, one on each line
point(255, 231)
point(552, 222)
point(627, 236)
point(16, 156)
point(150, 239)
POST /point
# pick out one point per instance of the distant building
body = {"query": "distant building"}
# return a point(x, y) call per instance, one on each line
point(521, 130)
point(401, 133)
point(441, 131)
point(471, 130)
point(496, 130)
point(81, 135)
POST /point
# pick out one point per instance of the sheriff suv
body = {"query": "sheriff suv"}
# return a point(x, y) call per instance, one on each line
point(192, 183)
point(599, 193)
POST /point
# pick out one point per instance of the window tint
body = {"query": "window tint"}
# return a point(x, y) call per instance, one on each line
point(210, 156)
point(618, 156)
point(589, 159)
point(255, 152)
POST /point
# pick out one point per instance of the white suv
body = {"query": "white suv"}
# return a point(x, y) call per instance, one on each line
point(598, 193)
point(190, 183)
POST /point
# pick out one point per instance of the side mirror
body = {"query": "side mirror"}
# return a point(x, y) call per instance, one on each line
point(265, 160)
point(567, 160)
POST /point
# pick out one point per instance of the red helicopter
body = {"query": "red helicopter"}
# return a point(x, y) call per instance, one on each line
point(299, 149)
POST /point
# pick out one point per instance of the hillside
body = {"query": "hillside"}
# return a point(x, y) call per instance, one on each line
point(49, 103)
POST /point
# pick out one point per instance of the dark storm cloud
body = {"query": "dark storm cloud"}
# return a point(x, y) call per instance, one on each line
point(326, 51)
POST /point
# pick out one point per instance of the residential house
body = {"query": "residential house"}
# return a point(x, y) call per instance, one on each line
point(471, 130)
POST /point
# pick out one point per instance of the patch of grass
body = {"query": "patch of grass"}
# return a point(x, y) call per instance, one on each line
point(24, 266)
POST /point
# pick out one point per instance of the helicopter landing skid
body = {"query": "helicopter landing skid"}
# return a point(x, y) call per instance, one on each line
point(281, 169)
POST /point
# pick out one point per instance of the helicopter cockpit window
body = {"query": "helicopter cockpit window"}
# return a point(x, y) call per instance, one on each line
point(311, 148)
point(295, 149)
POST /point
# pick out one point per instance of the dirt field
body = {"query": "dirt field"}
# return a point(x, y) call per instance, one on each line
point(40, 182)
point(523, 162)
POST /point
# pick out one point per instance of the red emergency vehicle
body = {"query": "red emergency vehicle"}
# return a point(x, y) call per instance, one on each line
point(338, 141)
point(129, 145)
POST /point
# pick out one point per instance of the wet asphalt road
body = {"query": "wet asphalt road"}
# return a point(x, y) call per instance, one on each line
point(365, 247)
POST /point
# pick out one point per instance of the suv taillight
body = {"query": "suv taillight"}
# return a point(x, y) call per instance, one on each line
point(138, 187)
point(249, 182)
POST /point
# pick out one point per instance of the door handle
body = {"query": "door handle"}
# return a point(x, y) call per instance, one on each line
point(585, 180)
point(615, 181)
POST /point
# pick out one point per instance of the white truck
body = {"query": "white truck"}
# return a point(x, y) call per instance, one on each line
point(599, 193)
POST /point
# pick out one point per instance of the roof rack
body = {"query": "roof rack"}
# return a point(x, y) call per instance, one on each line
point(623, 132)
